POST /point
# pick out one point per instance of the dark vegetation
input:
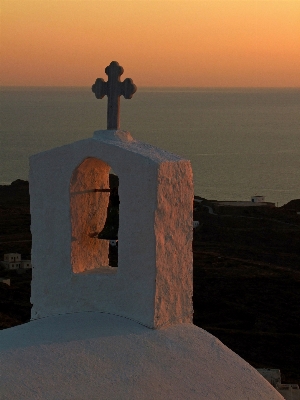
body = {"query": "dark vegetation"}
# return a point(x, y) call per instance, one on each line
point(246, 277)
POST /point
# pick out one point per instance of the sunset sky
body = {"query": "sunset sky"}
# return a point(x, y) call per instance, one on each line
point(201, 43)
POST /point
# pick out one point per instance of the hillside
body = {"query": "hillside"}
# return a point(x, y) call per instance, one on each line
point(247, 284)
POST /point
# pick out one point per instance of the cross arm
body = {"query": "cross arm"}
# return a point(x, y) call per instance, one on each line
point(127, 88)
point(99, 88)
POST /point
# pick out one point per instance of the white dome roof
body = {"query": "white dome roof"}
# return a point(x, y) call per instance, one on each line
point(100, 356)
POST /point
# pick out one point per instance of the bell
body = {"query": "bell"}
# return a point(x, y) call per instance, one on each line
point(111, 226)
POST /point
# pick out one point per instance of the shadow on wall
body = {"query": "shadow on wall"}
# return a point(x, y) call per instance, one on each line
point(94, 203)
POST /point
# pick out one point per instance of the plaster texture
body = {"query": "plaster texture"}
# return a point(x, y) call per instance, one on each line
point(153, 282)
point(99, 356)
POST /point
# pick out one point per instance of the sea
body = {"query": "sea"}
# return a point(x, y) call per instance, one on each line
point(241, 142)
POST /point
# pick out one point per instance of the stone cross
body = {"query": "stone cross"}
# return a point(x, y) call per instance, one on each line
point(113, 88)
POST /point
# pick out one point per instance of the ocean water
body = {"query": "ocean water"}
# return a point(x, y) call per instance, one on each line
point(241, 142)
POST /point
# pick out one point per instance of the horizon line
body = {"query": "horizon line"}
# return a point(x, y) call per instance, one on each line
point(156, 87)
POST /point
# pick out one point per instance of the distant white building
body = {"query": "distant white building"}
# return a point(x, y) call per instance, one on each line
point(12, 257)
point(258, 199)
point(289, 391)
point(26, 264)
point(13, 261)
point(271, 375)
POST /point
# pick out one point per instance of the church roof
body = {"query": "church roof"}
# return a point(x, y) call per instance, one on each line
point(94, 355)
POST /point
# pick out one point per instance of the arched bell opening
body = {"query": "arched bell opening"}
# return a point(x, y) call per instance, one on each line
point(93, 205)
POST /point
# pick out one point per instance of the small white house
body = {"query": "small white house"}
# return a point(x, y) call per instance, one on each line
point(289, 391)
point(12, 257)
point(257, 199)
point(271, 375)
point(14, 265)
point(26, 264)
point(13, 261)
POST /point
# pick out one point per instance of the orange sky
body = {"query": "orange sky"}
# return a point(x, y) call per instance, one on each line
point(227, 43)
